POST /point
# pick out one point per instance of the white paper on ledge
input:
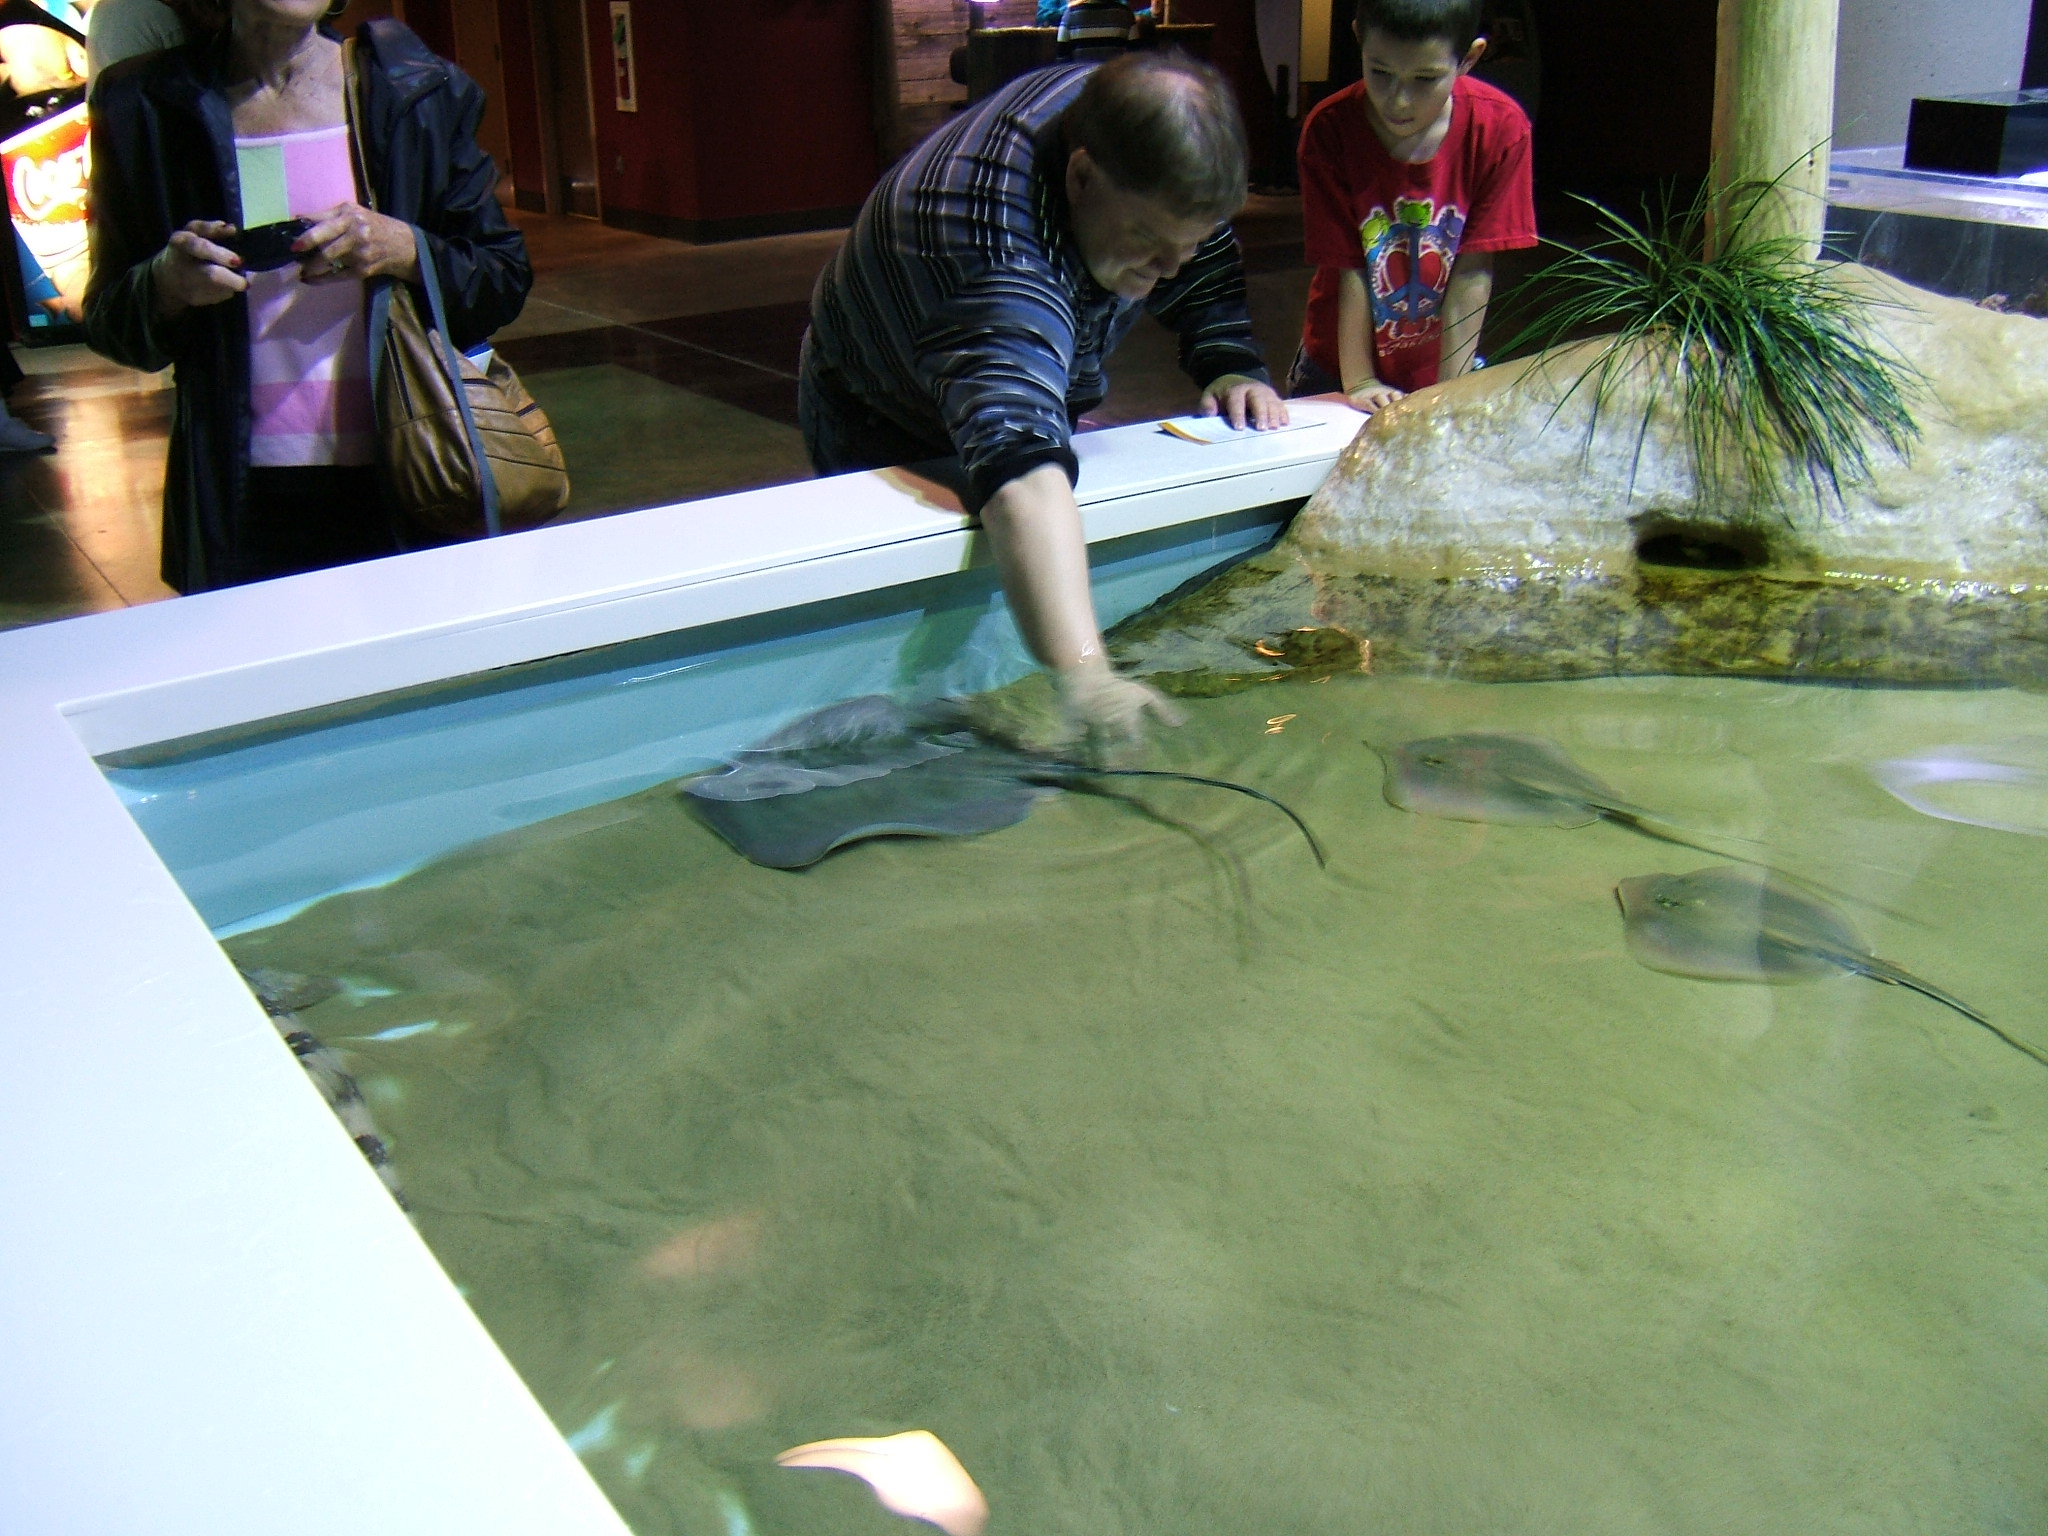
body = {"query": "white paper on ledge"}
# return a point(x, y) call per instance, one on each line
point(1217, 429)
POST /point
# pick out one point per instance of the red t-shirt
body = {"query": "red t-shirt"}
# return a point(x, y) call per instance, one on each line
point(1403, 225)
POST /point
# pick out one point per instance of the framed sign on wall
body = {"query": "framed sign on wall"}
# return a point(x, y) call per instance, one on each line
point(624, 96)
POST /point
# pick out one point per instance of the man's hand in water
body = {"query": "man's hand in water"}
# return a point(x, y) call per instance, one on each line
point(1108, 714)
point(1245, 401)
point(1034, 525)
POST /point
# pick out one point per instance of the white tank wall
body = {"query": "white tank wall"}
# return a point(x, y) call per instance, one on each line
point(1894, 50)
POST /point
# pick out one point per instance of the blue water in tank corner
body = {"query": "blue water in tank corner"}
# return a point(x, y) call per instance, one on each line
point(262, 827)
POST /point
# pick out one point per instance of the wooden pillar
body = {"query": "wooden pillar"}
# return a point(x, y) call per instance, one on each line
point(1774, 107)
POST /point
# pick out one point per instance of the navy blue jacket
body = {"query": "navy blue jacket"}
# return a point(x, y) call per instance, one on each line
point(163, 154)
point(960, 310)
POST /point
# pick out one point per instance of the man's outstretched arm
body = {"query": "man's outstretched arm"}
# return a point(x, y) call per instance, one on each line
point(1034, 527)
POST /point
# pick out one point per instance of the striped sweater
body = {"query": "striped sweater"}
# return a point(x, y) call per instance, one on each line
point(960, 309)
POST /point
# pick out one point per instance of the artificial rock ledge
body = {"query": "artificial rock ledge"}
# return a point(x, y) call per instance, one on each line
point(1473, 530)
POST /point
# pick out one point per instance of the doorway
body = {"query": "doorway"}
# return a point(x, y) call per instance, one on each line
point(568, 132)
point(475, 27)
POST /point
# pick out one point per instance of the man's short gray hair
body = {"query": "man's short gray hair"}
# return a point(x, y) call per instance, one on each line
point(1164, 126)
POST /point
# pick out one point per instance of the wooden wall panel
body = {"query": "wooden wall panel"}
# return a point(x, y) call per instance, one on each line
point(923, 35)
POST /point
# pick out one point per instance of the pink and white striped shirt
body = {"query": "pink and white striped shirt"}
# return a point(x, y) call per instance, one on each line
point(309, 360)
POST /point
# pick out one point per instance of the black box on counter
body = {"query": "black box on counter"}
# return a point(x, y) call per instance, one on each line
point(2004, 133)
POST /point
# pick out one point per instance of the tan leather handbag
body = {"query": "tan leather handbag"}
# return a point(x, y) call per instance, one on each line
point(465, 450)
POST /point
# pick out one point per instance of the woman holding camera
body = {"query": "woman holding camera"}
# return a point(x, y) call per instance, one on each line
point(231, 239)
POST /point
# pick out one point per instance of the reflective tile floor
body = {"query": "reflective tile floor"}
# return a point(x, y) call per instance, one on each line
point(669, 371)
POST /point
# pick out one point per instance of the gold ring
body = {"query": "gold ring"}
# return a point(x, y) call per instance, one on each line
point(336, 268)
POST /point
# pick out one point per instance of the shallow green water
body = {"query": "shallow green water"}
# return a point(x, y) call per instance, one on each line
point(1179, 1187)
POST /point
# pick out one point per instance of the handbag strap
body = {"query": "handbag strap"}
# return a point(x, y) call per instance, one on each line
point(380, 300)
point(486, 480)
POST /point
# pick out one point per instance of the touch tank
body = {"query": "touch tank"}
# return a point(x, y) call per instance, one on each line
point(1631, 1129)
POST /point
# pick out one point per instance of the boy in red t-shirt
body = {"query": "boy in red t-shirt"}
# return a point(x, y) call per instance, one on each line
point(1410, 181)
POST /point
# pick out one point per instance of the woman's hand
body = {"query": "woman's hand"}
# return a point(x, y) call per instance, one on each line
point(195, 270)
point(351, 243)
point(1373, 397)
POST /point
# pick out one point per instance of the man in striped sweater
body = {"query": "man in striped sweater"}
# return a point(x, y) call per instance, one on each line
point(974, 301)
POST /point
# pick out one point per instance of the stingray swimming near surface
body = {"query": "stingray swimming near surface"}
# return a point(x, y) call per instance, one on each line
point(1516, 781)
point(1727, 923)
point(2001, 785)
point(871, 768)
point(913, 1474)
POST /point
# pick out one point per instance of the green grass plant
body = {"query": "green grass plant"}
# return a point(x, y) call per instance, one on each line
point(1783, 382)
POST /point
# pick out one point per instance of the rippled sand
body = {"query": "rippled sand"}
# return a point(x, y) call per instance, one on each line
point(1181, 1188)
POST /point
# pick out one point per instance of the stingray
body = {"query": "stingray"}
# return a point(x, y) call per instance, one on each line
point(1515, 781)
point(871, 768)
point(1727, 923)
point(284, 996)
point(2002, 785)
point(913, 1474)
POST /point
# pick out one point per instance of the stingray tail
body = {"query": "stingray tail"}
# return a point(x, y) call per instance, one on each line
point(1650, 824)
point(1892, 975)
point(1315, 846)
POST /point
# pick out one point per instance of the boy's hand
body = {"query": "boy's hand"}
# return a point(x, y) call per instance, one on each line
point(1372, 396)
point(1247, 402)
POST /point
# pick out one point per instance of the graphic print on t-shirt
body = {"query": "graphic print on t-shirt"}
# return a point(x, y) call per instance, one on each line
point(1400, 224)
point(1408, 261)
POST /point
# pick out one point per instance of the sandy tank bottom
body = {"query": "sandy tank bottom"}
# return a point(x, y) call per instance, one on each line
point(1179, 1187)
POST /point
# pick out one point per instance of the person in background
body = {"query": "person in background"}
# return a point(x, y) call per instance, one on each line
point(1052, 12)
point(1094, 30)
point(990, 273)
point(1410, 181)
point(273, 451)
point(16, 435)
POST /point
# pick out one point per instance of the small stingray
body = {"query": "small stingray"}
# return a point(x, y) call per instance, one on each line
point(913, 1474)
point(1514, 781)
point(2002, 785)
point(283, 995)
point(1726, 923)
point(869, 768)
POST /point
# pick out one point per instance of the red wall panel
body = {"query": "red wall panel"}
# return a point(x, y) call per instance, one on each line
point(646, 160)
point(754, 115)
point(521, 104)
point(788, 93)
point(434, 21)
